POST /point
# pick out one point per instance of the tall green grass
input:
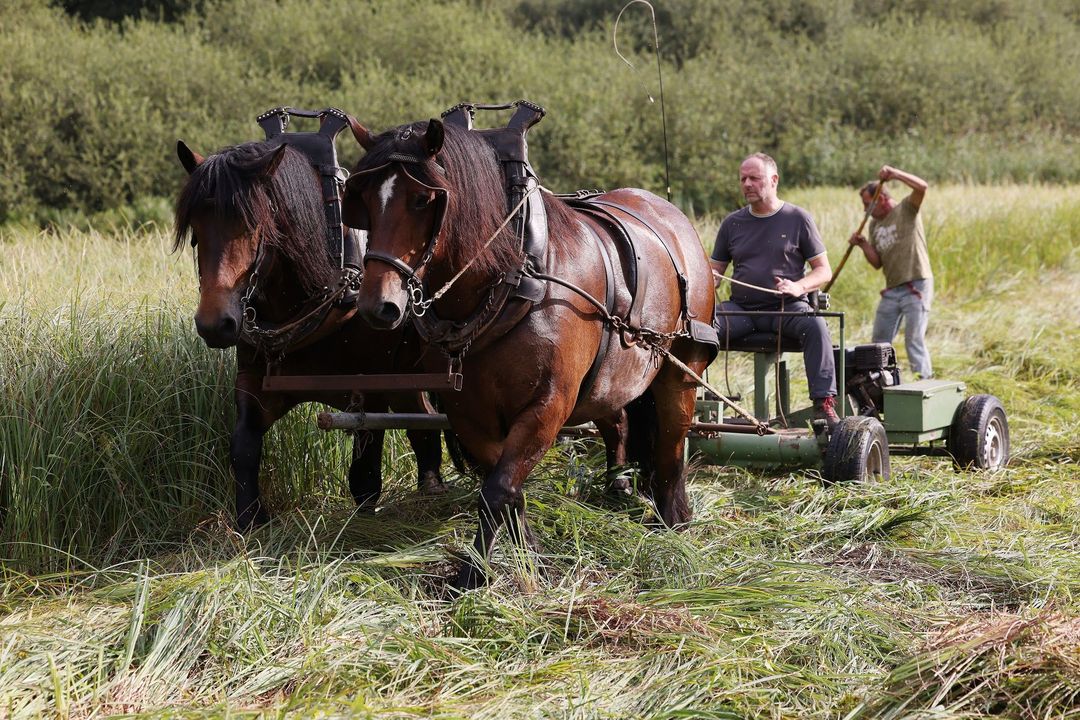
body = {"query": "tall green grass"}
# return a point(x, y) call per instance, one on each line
point(124, 590)
point(115, 416)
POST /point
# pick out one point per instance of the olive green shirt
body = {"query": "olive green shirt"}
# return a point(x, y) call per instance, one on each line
point(901, 244)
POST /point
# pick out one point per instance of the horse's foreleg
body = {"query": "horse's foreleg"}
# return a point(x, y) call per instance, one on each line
point(254, 416)
point(245, 454)
point(501, 498)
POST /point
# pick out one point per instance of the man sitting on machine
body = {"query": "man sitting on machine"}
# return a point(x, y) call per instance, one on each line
point(770, 242)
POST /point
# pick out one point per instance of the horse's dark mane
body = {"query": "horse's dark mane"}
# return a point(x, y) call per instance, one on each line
point(287, 205)
point(477, 194)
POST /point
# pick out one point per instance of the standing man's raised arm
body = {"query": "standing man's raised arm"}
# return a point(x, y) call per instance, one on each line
point(917, 184)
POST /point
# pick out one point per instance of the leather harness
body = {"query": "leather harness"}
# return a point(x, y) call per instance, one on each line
point(319, 148)
point(332, 308)
point(511, 297)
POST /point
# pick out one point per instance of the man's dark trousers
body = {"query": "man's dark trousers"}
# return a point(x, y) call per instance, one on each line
point(812, 331)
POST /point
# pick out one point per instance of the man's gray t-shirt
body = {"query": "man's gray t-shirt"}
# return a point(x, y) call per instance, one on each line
point(765, 248)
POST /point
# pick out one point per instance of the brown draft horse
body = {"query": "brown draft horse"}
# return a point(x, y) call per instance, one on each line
point(431, 196)
point(255, 215)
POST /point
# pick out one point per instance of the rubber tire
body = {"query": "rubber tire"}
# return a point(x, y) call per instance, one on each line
point(858, 450)
point(979, 435)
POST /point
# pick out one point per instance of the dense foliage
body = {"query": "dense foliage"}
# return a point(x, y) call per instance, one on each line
point(94, 95)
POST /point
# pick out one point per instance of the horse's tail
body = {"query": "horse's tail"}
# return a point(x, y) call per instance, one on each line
point(643, 429)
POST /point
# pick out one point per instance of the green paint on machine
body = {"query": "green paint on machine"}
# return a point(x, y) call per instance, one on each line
point(922, 406)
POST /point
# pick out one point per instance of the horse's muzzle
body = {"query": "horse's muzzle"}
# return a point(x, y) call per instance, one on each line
point(383, 315)
point(222, 332)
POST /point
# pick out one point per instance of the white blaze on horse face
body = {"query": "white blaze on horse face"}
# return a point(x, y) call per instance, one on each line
point(387, 191)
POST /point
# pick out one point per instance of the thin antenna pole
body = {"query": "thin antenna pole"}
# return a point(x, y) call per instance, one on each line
point(659, 75)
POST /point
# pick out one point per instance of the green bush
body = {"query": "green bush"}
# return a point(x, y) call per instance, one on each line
point(981, 91)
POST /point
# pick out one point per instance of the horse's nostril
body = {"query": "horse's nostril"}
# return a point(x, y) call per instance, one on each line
point(388, 313)
point(222, 333)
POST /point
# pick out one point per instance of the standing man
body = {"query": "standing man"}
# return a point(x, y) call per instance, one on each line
point(770, 242)
point(897, 245)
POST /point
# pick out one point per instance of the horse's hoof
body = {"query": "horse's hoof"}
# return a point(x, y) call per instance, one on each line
point(249, 520)
point(431, 484)
point(469, 578)
point(367, 503)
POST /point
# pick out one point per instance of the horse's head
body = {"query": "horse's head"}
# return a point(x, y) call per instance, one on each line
point(430, 196)
point(398, 194)
point(251, 210)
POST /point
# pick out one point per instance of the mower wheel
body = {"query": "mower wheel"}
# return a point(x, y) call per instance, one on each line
point(979, 436)
point(858, 450)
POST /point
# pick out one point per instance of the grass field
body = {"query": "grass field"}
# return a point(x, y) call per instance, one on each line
point(123, 589)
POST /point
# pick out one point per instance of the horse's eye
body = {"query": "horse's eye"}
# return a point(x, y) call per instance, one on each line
point(421, 201)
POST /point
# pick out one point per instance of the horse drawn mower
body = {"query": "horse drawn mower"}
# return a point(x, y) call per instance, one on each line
point(600, 295)
point(881, 416)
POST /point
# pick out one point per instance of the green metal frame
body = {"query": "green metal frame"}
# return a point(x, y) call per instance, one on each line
point(788, 449)
point(795, 448)
point(921, 411)
point(764, 362)
point(913, 414)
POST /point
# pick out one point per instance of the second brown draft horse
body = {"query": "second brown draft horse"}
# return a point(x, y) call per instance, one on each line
point(255, 215)
point(432, 198)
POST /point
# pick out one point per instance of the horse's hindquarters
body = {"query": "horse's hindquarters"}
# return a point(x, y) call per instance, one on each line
point(663, 280)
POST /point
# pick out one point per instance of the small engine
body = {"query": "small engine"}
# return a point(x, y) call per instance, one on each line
point(868, 370)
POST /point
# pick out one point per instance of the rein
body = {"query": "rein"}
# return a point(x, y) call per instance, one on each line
point(418, 305)
point(655, 340)
point(275, 342)
point(659, 76)
point(751, 286)
point(423, 305)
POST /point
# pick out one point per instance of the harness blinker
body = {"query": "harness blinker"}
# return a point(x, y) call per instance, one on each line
point(318, 147)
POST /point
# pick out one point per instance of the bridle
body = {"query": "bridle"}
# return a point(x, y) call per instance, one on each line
point(336, 303)
point(413, 274)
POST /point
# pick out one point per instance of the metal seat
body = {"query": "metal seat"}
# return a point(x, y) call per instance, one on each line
point(762, 342)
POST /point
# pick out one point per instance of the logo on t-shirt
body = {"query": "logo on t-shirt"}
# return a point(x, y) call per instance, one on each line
point(885, 237)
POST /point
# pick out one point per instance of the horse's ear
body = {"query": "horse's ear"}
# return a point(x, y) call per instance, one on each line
point(433, 138)
point(361, 133)
point(274, 160)
point(188, 157)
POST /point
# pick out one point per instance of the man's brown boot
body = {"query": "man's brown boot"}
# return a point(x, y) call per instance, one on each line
point(825, 409)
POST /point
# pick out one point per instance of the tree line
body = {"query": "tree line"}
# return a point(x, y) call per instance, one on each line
point(93, 95)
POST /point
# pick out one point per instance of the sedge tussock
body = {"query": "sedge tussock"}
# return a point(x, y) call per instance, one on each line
point(999, 664)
